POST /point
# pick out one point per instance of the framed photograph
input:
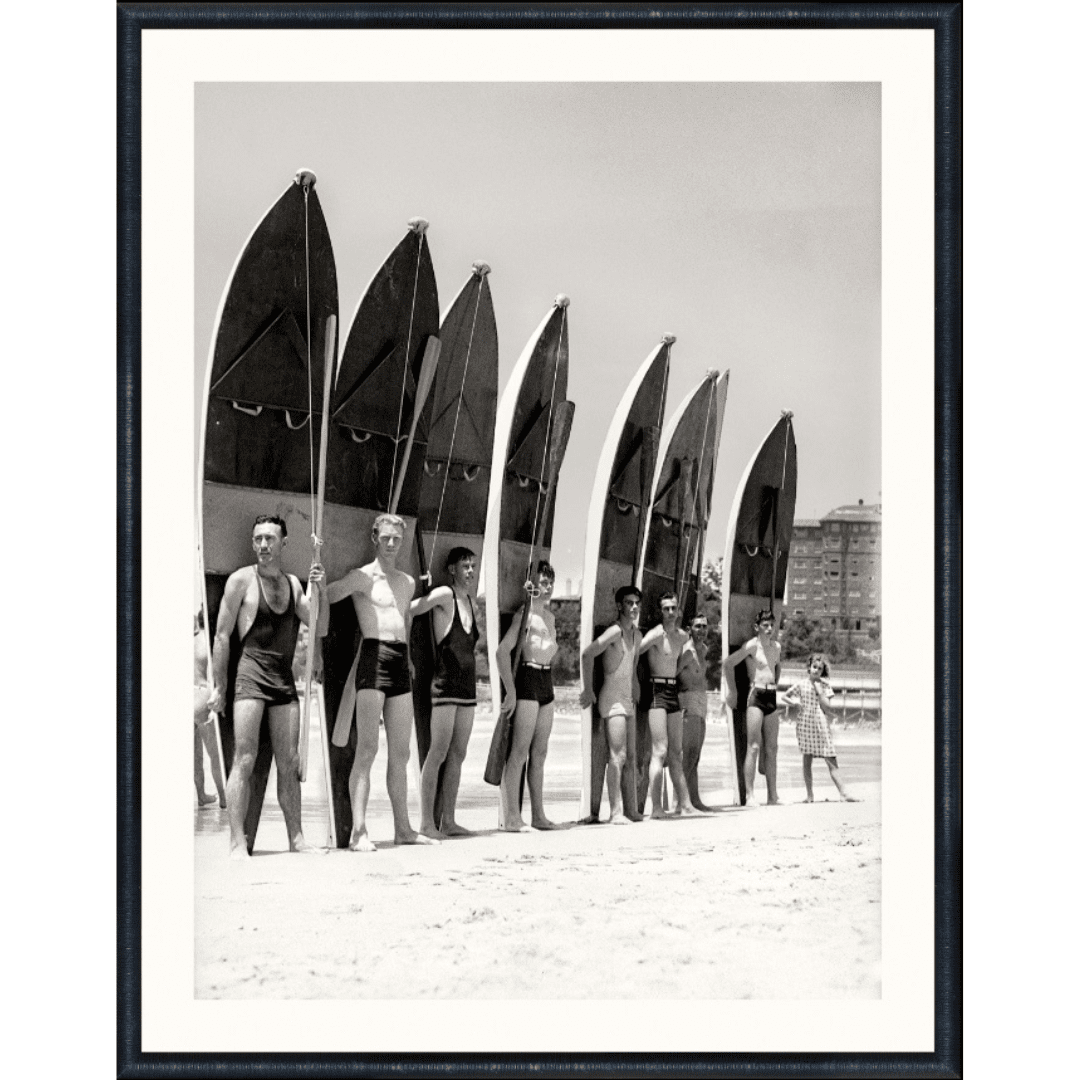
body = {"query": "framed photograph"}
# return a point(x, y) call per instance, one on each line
point(757, 209)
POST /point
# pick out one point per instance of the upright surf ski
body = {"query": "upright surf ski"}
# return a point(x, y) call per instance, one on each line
point(262, 408)
point(678, 520)
point(532, 425)
point(614, 544)
point(457, 468)
point(755, 564)
point(379, 417)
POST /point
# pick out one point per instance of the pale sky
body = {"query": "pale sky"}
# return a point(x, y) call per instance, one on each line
point(745, 218)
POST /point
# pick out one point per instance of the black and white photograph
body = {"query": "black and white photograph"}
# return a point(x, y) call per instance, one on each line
point(540, 431)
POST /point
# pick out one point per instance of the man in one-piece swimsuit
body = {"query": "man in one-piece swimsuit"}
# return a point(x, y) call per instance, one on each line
point(530, 698)
point(695, 704)
point(618, 648)
point(266, 606)
point(663, 644)
point(381, 594)
point(762, 656)
point(453, 690)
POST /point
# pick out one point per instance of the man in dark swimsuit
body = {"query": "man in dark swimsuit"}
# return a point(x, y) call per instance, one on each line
point(453, 690)
point(267, 606)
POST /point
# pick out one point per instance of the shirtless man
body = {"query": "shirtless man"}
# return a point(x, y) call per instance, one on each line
point(381, 594)
point(453, 690)
point(663, 644)
point(267, 606)
point(531, 701)
point(695, 704)
point(762, 656)
point(618, 648)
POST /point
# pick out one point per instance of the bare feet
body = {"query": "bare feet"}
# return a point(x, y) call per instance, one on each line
point(848, 798)
point(751, 801)
point(452, 828)
point(618, 819)
point(431, 832)
point(774, 802)
point(301, 847)
point(361, 842)
point(592, 819)
point(206, 800)
point(660, 815)
point(688, 811)
point(809, 798)
point(413, 838)
point(701, 807)
point(239, 853)
point(516, 826)
point(543, 824)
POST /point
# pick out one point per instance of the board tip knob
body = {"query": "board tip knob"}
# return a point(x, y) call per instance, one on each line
point(668, 339)
point(562, 300)
point(481, 269)
point(305, 178)
point(418, 225)
point(786, 414)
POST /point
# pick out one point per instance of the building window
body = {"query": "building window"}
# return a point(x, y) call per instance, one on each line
point(858, 624)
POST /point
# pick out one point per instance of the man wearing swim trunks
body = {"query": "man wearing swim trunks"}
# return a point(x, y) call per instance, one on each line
point(695, 704)
point(453, 690)
point(663, 645)
point(381, 594)
point(762, 656)
point(266, 606)
point(531, 700)
point(618, 648)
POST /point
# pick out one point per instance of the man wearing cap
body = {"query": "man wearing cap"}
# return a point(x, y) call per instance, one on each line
point(618, 648)
point(663, 644)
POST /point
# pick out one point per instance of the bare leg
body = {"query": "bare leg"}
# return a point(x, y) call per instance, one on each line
point(616, 734)
point(369, 706)
point(808, 776)
point(537, 758)
point(209, 737)
point(770, 732)
point(693, 742)
point(675, 763)
point(284, 721)
point(524, 727)
point(753, 746)
point(398, 714)
point(834, 772)
point(659, 733)
point(455, 757)
point(247, 721)
point(200, 775)
point(442, 730)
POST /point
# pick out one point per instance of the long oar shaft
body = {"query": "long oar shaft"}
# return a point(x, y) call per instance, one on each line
point(423, 388)
point(316, 543)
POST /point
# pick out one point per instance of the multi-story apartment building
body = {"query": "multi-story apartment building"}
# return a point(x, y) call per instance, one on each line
point(834, 570)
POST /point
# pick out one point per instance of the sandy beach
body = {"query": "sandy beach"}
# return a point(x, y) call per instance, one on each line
point(772, 902)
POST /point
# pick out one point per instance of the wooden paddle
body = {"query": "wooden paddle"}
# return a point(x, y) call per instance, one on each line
point(650, 448)
point(316, 543)
point(423, 388)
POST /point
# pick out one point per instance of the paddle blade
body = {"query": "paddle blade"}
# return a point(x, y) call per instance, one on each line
point(427, 374)
point(560, 436)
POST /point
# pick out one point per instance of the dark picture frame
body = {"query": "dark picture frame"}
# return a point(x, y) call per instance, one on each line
point(945, 20)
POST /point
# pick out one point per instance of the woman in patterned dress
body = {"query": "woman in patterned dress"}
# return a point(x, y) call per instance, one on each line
point(812, 724)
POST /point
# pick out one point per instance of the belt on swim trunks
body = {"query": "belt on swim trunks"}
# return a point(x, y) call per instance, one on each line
point(668, 682)
point(537, 667)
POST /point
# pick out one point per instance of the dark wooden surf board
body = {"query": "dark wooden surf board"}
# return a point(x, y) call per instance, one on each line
point(457, 468)
point(755, 563)
point(523, 482)
point(614, 545)
point(678, 520)
point(259, 412)
point(371, 409)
